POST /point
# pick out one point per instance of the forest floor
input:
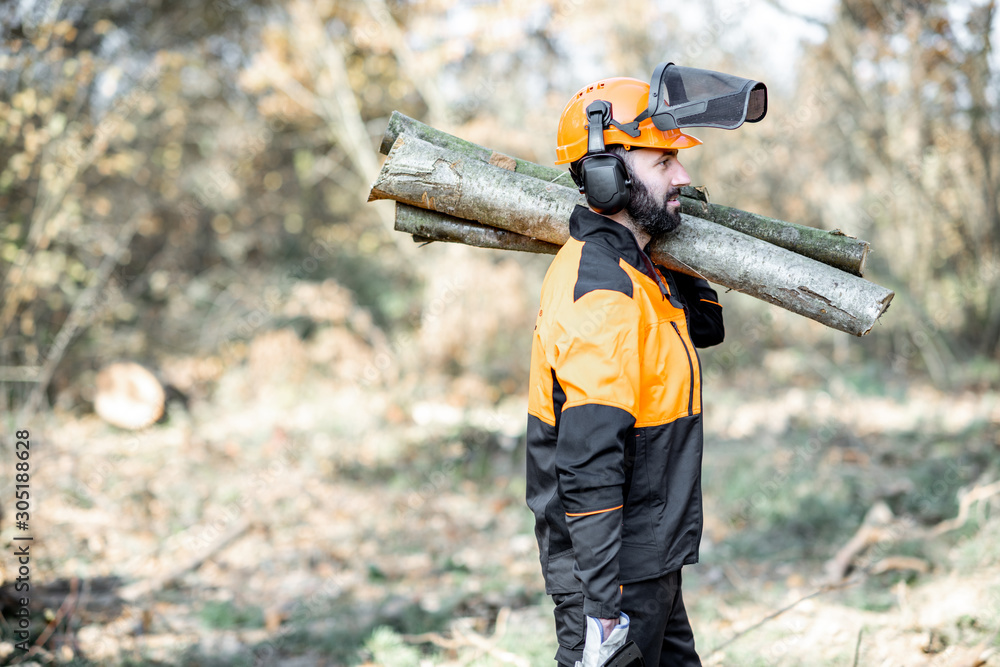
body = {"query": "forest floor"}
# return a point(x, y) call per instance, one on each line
point(292, 515)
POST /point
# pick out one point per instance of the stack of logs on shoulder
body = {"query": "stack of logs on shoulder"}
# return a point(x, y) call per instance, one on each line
point(448, 189)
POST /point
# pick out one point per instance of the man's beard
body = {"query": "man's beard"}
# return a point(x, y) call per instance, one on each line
point(649, 215)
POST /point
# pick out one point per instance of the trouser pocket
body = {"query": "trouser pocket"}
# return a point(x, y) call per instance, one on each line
point(570, 625)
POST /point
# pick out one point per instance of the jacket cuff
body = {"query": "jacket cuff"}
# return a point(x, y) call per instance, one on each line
point(598, 609)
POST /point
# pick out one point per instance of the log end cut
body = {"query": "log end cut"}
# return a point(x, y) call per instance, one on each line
point(883, 306)
point(128, 396)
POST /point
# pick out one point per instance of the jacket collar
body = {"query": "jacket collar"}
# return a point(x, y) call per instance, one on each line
point(590, 227)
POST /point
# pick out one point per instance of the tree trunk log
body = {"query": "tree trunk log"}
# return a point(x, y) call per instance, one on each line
point(427, 225)
point(402, 125)
point(430, 177)
point(833, 248)
point(778, 276)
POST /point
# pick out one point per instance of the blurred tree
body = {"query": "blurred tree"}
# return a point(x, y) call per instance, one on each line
point(142, 179)
point(909, 135)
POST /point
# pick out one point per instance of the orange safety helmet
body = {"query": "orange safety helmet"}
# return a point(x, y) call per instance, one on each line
point(628, 98)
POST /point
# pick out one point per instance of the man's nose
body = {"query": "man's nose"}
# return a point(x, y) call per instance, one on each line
point(680, 177)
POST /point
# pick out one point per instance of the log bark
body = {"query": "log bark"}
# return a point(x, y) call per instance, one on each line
point(834, 248)
point(778, 276)
point(427, 226)
point(430, 177)
point(830, 247)
point(427, 176)
point(402, 125)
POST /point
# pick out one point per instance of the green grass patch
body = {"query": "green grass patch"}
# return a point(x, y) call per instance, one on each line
point(227, 616)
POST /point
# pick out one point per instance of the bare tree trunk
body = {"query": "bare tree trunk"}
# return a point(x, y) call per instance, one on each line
point(834, 248)
point(433, 178)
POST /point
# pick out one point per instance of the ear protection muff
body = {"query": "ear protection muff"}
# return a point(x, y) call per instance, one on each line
point(602, 176)
point(604, 180)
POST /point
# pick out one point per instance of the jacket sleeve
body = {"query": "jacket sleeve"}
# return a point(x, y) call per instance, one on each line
point(597, 367)
point(704, 310)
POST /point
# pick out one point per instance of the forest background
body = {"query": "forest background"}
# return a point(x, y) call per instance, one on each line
point(339, 477)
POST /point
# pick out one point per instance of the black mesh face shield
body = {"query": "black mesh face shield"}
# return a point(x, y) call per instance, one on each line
point(688, 97)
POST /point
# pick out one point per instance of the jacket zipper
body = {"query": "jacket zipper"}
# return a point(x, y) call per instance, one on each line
point(665, 292)
point(690, 369)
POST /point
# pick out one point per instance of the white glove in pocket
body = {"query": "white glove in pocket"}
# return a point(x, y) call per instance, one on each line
point(596, 652)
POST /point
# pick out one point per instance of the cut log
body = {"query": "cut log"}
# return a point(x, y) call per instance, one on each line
point(128, 396)
point(427, 225)
point(834, 248)
point(430, 177)
point(778, 276)
point(830, 247)
point(402, 125)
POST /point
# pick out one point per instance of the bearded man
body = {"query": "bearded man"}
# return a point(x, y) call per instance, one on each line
point(614, 434)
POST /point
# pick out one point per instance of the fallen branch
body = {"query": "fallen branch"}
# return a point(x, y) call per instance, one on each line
point(770, 617)
point(892, 563)
point(433, 178)
point(877, 526)
point(65, 610)
point(833, 248)
point(134, 591)
point(469, 638)
point(880, 526)
point(964, 505)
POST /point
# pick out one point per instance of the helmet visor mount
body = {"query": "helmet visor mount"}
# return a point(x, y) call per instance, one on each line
point(689, 97)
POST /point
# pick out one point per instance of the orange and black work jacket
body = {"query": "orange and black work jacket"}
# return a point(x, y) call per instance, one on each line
point(614, 434)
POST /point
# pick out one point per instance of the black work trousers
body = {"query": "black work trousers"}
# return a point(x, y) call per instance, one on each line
point(659, 623)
